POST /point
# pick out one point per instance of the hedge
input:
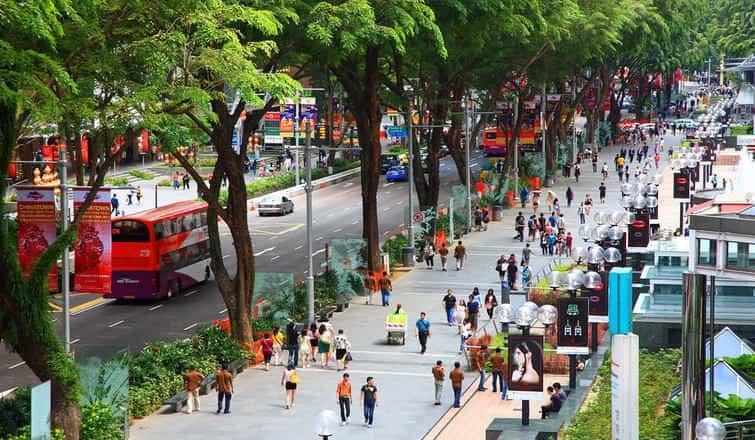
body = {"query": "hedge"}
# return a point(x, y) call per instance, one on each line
point(139, 174)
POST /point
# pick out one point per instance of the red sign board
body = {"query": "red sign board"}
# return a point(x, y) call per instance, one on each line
point(93, 245)
point(36, 228)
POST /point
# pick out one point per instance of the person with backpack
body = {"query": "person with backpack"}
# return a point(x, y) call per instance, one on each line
point(343, 349)
point(526, 274)
point(290, 381)
point(473, 310)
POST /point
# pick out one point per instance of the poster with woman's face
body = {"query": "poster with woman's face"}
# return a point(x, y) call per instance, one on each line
point(526, 363)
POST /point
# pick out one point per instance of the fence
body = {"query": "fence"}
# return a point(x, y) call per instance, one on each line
point(743, 430)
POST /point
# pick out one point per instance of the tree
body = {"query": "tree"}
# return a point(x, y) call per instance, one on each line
point(353, 39)
point(201, 62)
point(732, 29)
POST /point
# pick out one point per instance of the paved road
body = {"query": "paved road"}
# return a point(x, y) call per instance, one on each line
point(279, 244)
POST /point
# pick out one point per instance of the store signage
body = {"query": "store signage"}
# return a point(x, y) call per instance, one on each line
point(681, 186)
point(572, 326)
point(36, 228)
point(598, 300)
point(639, 230)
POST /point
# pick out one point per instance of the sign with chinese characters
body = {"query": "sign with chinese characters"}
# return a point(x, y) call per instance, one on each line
point(93, 244)
point(572, 326)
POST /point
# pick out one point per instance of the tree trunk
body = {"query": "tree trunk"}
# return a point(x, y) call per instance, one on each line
point(455, 147)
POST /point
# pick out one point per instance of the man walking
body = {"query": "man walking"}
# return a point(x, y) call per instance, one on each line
point(443, 251)
point(457, 377)
point(460, 252)
point(385, 289)
point(524, 195)
point(192, 381)
point(369, 398)
point(343, 393)
point(343, 347)
point(520, 223)
point(526, 253)
point(602, 193)
point(224, 385)
point(422, 331)
point(439, 375)
point(480, 360)
point(292, 340)
point(114, 204)
point(370, 286)
point(449, 304)
point(498, 367)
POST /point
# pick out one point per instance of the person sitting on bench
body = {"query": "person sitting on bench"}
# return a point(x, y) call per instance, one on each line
point(552, 407)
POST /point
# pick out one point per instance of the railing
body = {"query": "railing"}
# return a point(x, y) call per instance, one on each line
point(743, 430)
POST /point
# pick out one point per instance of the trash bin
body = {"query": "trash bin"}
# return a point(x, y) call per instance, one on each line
point(497, 213)
point(407, 256)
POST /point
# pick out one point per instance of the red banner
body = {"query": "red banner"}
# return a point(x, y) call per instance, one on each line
point(93, 245)
point(36, 228)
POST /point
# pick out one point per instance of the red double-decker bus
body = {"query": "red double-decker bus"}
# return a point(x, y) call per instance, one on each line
point(159, 252)
point(494, 142)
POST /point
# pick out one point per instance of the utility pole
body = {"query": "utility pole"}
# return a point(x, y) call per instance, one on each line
point(310, 266)
point(66, 263)
point(410, 134)
point(543, 131)
point(296, 136)
point(709, 61)
point(466, 103)
point(574, 121)
point(516, 146)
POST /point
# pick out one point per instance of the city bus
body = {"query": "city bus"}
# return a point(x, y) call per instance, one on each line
point(159, 252)
point(494, 142)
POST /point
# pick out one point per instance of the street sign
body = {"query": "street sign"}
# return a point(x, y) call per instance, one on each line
point(418, 217)
point(398, 132)
point(572, 326)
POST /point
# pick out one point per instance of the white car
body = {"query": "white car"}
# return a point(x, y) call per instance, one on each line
point(280, 205)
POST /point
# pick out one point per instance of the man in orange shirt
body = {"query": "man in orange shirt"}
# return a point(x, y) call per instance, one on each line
point(439, 374)
point(343, 392)
point(457, 377)
point(498, 366)
point(224, 385)
point(192, 381)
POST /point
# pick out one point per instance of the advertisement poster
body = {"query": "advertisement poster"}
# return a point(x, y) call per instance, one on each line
point(93, 245)
point(681, 186)
point(572, 326)
point(36, 228)
point(639, 230)
point(525, 376)
point(598, 300)
point(272, 130)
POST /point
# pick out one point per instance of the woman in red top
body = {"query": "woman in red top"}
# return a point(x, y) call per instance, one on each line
point(267, 350)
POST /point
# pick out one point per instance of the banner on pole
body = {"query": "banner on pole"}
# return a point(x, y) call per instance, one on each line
point(36, 228)
point(572, 325)
point(525, 367)
point(93, 245)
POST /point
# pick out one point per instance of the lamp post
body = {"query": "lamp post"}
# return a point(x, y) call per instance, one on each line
point(310, 264)
point(326, 424)
point(710, 429)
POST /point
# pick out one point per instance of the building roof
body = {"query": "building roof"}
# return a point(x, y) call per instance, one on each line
point(167, 211)
point(735, 218)
point(728, 344)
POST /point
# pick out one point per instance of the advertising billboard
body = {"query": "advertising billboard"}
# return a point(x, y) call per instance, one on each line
point(93, 249)
point(525, 375)
point(36, 228)
point(572, 325)
point(681, 186)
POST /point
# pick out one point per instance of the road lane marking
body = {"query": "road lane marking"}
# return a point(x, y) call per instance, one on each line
point(156, 307)
point(318, 252)
point(347, 184)
point(89, 305)
point(386, 185)
point(75, 340)
point(318, 238)
point(386, 209)
point(355, 222)
point(222, 311)
point(55, 307)
point(335, 231)
point(226, 256)
point(16, 365)
point(116, 323)
point(264, 251)
point(298, 247)
point(275, 258)
point(191, 326)
point(191, 293)
point(474, 165)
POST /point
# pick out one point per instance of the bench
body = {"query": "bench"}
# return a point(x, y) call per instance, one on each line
point(178, 401)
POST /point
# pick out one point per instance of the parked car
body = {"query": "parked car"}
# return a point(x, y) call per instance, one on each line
point(397, 173)
point(280, 205)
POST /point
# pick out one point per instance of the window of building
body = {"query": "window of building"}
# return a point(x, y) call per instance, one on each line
point(706, 252)
point(740, 256)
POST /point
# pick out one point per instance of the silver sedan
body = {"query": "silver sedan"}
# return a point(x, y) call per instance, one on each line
point(280, 205)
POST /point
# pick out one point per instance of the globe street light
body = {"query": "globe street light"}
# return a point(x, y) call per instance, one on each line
point(326, 424)
point(710, 429)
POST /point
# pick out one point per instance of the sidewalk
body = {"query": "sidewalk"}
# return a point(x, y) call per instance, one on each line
point(402, 375)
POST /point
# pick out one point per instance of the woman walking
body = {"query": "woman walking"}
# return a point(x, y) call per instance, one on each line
point(305, 350)
point(490, 303)
point(429, 255)
point(277, 345)
point(314, 336)
point(323, 345)
point(289, 381)
point(267, 350)
point(343, 347)
point(460, 315)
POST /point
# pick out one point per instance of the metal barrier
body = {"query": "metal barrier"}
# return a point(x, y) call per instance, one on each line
point(743, 430)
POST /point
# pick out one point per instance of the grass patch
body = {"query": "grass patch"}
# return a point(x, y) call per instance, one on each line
point(139, 174)
point(165, 182)
point(116, 181)
point(657, 378)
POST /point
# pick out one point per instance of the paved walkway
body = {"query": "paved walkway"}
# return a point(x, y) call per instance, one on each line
point(402, 375)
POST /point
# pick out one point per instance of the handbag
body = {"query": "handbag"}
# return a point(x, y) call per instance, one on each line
point(348, 357)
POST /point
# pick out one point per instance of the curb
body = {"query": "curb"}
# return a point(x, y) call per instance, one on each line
point(300, 189)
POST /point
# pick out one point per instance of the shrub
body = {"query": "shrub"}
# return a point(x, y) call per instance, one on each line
point(165, 182)
point(139, 174)
point(116, 181)
point(393, 247)
point(25, 434)
point(15, 412)
point(99, 423)
point(742, 129)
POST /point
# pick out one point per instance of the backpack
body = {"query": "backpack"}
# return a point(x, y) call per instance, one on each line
point(294, 378)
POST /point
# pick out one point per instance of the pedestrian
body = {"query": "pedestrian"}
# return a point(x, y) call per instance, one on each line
point(531, 227)
point(175, 181)
point(581, 213)
point(305, 349)
point(460, 314)
point(520, 224)
point(480, 360)
point(498, 366)
point(385, 289)
point(553, 406)
point(139, 195)
point(278, 339)
point(290, 381)
point(224, 386)
point(370, 286)
point(478, 219)
point(267, 350)
point(723, 183)
point(524, 195)
point(560, 394)
point(594, 163)
point(422, 331)
point(526, 275)
point(429, 252)
point(292, 341)
point(439, 375)
point(605, 171)
point(343, 394)
point(714, 181)
point(551, 243)
point(543, 243)
point(568, 243)
point(186, 180)
point(561, 224)
point(490, 303)
point(314, 340)
point(511, 272)
point(535, 201)
point(577, 172)
point(526, 253)
point(443, 251)
point(192, 381)
point(369, 398)
point(473, 309)
point(460, 252)
point(323, 345)
point(457, 378)
point(449, 305)
point(343, 350)
point(130, 197)
point(569, 196)
point(602, 193)
point(114, 203)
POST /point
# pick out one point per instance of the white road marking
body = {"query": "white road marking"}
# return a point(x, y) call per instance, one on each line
point(347, 184)
point(116, 323)
point(403, 353)
point(156, 307)
point(474, 165)
point(318, 238)
point(226, 256)
point(298, 247)
point(191, 326)
point(16, 365)
point(222, 311)
point(386, 185)
point(355, 222)
point(275, 258)
point(191, 293)
point(75, 340)
point(399, 202)
point(386, 209)
point(335, 231)
point(264, 251)
point(318, 252)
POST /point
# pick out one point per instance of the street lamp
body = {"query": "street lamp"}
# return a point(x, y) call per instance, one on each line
point(326, 424)
point(710, 428)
